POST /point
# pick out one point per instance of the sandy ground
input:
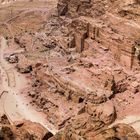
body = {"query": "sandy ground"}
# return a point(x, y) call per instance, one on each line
point(11, 102)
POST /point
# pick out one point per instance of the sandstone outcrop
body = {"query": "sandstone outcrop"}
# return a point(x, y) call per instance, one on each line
point(118, 132)
point(81, 60)
point(106, 33)
point(22, 130)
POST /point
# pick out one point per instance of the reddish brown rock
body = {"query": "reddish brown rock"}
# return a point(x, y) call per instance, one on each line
point(24, 130)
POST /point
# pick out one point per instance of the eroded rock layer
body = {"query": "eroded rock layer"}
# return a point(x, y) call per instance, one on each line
point(22, 130)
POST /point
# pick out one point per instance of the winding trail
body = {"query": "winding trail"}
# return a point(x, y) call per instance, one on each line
point(11, 101)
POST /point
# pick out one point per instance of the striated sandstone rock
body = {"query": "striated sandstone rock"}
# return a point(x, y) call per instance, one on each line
point(25, 130)
point(117, 132)
point(104, 112)
point(107, 111)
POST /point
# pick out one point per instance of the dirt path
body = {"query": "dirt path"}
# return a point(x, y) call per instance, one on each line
point(11, 102)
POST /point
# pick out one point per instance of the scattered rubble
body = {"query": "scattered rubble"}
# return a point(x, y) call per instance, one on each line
point(12, 58)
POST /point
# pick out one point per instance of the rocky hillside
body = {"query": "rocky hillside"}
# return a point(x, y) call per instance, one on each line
point(22, 130)
point(94, 8)
point(81, 60)
point(116, 22)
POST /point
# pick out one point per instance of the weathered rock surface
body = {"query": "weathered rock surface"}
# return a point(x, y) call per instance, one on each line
point(83, 63)
point(117, 132)
point(22, 130)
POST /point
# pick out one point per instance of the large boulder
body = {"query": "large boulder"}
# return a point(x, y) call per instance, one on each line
point(106, 112)
point(118, 132)
point(25, 130)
